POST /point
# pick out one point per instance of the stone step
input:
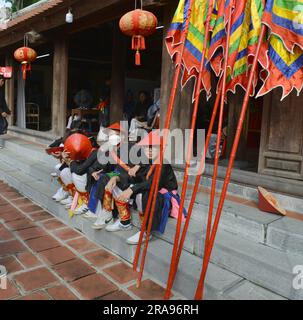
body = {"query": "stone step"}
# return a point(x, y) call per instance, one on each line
point(218, 278)
point(234, 257)
point(37, 152)
point(237, 218)
point(35, 168)
point(250, 193)
point(26, 148)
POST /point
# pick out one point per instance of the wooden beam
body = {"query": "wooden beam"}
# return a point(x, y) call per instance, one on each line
point(60, 77)
point(55, 18)
point(9, 90)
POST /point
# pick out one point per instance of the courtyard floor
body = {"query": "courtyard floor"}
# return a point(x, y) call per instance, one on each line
point(46, 260)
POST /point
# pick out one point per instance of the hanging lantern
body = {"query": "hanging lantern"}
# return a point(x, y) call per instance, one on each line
point(138, 24)
point(25, 56)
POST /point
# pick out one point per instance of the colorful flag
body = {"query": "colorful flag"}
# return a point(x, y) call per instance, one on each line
point(243, 44)
point(281, 67)
point(245, 29)
point(194, 42)
point(285, 19)
point(218, 39)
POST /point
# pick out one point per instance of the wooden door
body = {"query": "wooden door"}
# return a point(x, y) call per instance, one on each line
point(281, 150)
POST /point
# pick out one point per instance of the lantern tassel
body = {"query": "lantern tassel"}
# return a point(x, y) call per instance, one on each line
point(138, 58)
point(24, 70)
point(138, 43)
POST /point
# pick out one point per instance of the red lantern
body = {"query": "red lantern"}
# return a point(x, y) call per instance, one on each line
point(78, 146)
point(25, 56)
point(138, 24)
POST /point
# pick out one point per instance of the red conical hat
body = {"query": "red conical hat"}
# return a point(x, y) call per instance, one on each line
point(152, 139)
point(268, 203)
point(116, 127)
point(78, 146)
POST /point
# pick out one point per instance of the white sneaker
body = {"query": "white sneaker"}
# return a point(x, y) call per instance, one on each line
point(104, 218)
point(67, 201)
point(90, 216)
point(134, 240)
point(118, 226)
point(60, 195)
point(81, 210)
point(54, 175)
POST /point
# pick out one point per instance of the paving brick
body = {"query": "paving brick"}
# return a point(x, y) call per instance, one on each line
point(5, 234)
point(57, 255)
point(117, 295)
point(73, 270)
point(9, 293)
point(22, 202)
point(21, 224)
point(36, 279)
point(11, 264)
point(82, 245)
point(11, 247)
point(37, 296)
point(43, 243)
point(28, 259)
point(67, 234)
point(12, 215)
point(7, 208)
point(149, 290)
point(121, 272)
point(100, 258)
point(11, 194)
point(94, 287)
point(31, 208)
point(31, 233)
point(40, 216)
point(61, 293)
point(3, 202)
point(53, 224)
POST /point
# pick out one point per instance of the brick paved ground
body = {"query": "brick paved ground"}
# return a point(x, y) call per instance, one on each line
point(46, 260)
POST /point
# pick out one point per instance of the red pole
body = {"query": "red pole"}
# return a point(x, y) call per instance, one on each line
point(154, 191)
point(196, 187)
point(144, 223)
point(200, 289)
point(219, 133)
point(189, 155)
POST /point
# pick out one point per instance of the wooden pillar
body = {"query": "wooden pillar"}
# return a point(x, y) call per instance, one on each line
point(235, 104)
point(9, 90)
point(183, 103)
point(60, 78)
point(118, 75)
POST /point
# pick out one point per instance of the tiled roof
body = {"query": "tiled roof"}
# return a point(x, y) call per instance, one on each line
point(30, 14)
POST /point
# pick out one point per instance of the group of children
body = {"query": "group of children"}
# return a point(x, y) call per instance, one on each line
point(100, 183)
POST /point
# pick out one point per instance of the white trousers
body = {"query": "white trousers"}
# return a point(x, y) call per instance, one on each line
point(66, 176)
point(80, 182)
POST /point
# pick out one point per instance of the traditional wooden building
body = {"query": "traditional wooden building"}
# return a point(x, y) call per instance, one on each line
point(92, 50)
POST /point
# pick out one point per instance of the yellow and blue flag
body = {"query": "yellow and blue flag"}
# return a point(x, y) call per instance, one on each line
point(244, 39)
point(282, 55)
point(281, 68)
point(245, 30)
point(285, 19)
point(194, 42)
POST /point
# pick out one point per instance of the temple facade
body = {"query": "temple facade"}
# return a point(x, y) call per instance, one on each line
point(92, 50)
